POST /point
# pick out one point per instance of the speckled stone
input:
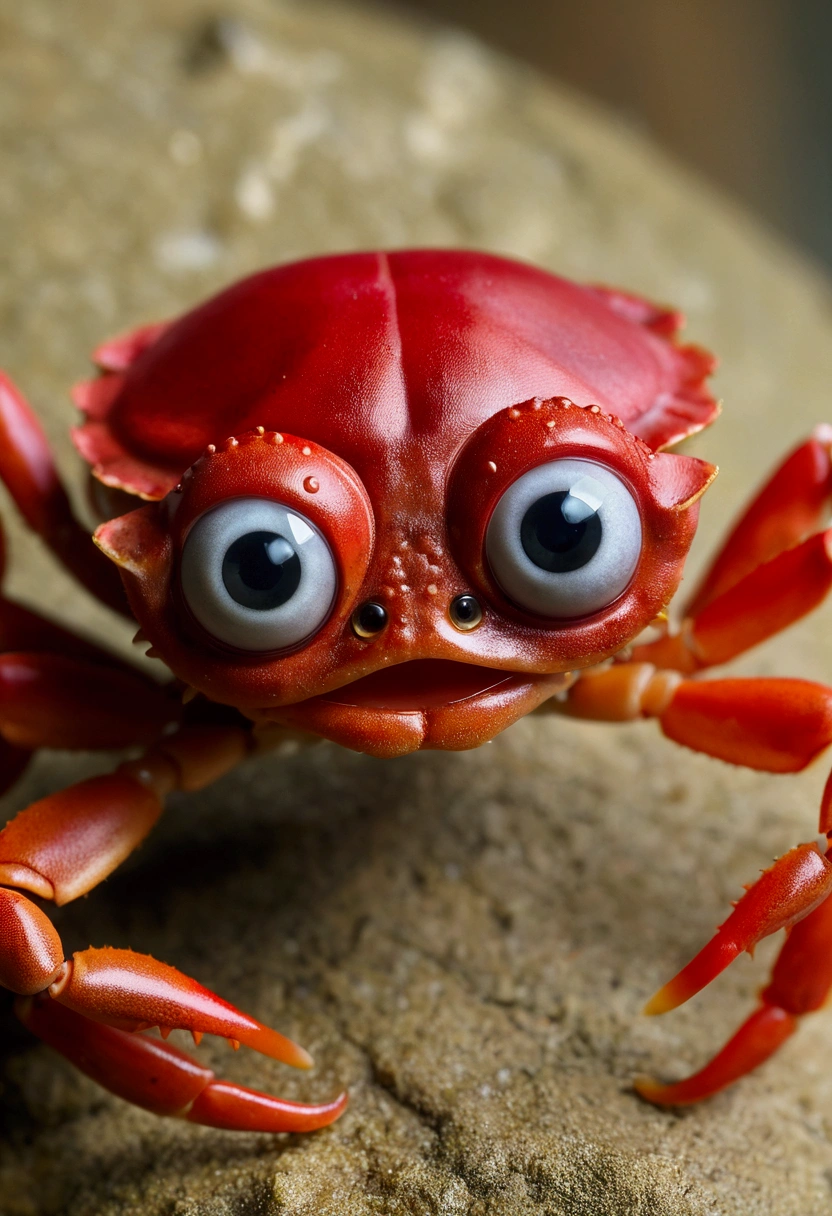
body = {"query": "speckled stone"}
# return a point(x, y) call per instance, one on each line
point(464, 940)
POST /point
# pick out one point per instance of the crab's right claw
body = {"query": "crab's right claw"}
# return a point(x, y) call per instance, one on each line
point(160, 1078)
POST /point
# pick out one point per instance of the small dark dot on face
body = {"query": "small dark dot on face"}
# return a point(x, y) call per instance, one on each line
point(369, 619)
point(465, 612)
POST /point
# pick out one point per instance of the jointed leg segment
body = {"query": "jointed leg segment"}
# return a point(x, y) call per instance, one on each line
point(28, 471)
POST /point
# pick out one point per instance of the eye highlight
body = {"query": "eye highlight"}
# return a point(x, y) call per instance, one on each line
point(565, 538)
point(257, 575)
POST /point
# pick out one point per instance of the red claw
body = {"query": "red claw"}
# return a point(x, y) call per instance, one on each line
point(757, 1039)
point(792, 888)
point(235, 1108)
point(133, 992)
point(162, 1079)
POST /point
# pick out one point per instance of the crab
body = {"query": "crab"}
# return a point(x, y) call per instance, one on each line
point(395, 501)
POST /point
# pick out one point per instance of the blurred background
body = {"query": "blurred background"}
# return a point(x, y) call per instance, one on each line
point(740, 89)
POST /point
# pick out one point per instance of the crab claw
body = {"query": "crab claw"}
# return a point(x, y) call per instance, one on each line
point(164, 1080)
point(794, 886)
point(757, 1039)
point(132, 991)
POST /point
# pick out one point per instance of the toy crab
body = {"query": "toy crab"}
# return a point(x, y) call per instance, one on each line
point(397, 501)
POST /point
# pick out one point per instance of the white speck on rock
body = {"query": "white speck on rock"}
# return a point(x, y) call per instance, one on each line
point(185, 147)
point(254, 194)
point(180, 252)
point(457, 91)
point(292, 135)
point(252, 56)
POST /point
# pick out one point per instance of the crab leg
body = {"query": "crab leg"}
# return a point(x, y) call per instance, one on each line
point(762, 603)
point(28, 470)
point(771, 571)
point(784, 894)
point(42, 667)
point(24, 630)
point(40, 706)
point(792, 504)
point(774, 725)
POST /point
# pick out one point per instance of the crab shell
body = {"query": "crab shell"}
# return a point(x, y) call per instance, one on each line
point(392, 399)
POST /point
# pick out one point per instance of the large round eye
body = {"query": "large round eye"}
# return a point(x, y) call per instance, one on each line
point(564, 539)
point(257, 575)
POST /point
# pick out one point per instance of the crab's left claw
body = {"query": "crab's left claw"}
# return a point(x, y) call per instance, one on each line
point(783, 895)
point(164, 1080)
point(793, 894)
point(757, 1039)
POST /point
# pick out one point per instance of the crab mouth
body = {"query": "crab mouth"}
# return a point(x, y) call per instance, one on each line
point(419, 684)
point(421, 703)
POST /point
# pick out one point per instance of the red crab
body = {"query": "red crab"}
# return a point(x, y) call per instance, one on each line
point(446, 500)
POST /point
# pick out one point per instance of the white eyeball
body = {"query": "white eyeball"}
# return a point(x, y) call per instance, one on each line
point(258, 575)
point(564, 540)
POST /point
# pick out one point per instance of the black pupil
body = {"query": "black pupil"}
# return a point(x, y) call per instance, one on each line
point(552, 542)
point(261, 570)
point(466, 608)
point(372, 617)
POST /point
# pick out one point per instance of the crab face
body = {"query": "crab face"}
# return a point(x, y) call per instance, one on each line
point(269, 582)
point(423, 555)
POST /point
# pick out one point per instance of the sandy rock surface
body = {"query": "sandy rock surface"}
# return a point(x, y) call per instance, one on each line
point(463, 940)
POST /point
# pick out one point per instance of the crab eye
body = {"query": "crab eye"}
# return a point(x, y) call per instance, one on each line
point(257, 575)
point(565, 538)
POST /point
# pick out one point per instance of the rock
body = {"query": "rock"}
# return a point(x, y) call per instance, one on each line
point(464, 940)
